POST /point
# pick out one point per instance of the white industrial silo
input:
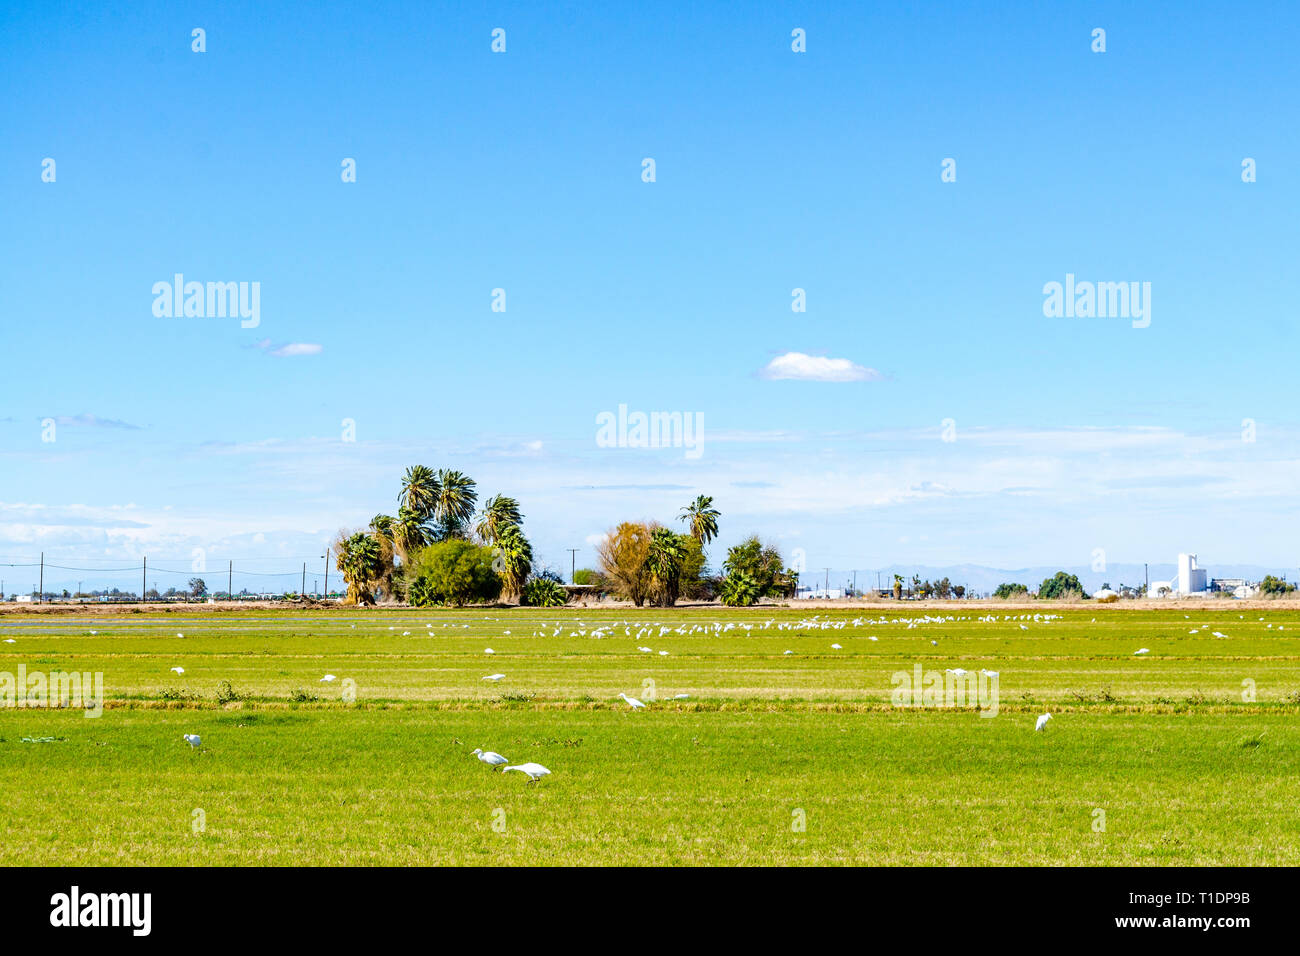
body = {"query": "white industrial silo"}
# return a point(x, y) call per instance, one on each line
point(1191, 579)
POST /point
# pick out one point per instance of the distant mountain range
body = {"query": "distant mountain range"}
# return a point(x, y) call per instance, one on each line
point(982, 579)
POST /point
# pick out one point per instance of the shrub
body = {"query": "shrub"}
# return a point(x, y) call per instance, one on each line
point(543, 592)
point(740, 590)
point(1008, 591)
point(452, 572)
point(226, 694)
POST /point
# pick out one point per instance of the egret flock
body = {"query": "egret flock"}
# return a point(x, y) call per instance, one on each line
point(653, 630)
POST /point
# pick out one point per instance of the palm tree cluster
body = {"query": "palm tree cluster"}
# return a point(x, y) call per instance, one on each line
point(647, 562)
point(433, 507)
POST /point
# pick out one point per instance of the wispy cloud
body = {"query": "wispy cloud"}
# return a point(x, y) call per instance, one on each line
point(817, 368)
point(91, 421)
point(289, 349)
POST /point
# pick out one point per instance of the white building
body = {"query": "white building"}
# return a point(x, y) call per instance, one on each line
point(1191, 579)
point(819, 594)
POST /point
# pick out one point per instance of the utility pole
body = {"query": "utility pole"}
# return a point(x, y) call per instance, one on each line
point(327, 574)
point(573, 559)
point(1146, 577)
point(826, 589)
point(855, 582)
point(230, 577)
point(40, 598)
point(144, 586)
point(303, 592)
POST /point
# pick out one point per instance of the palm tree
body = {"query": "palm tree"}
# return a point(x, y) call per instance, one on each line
point(454, 504)
point(421, 489)
point(382, 527)
point(664, 562)
point(498, 512)
point(513, 559)
point(382, 530)
point(360, 561)
point(702, 518)
point(410, 533)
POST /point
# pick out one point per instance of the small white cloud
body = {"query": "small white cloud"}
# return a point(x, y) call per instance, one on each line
point(817, 368)
point(596, 540)
point(297, 348)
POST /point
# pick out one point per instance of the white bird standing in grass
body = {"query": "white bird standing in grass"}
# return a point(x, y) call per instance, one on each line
point(179, 634)
point(489, 757)
point(1042, 721)
point(534, 770)
point(192, 739)
point(1141, 650)
point(326, 679)
point(636, 704)
point(494, 677)
point(489, 651)
point(836, 647)
point(178, 670)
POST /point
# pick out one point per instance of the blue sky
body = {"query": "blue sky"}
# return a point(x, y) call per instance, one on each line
point(775, 170)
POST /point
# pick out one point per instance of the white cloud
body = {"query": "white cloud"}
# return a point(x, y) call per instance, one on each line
point(297, 348)
point(817, 368)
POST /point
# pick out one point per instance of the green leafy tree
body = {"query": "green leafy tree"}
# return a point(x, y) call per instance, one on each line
point(1274, 587)
point(761, 564)
point(452, 572)
point(1060, 585)
point(1008, 591)
point(197, 587)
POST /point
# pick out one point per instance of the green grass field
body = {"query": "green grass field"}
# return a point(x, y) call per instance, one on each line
point(774, 758)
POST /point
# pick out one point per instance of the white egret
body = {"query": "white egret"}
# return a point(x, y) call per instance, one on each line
point(494, 677)
point(679, 697)
point(489, 757)
point(836, 647)
point(1042, 721)
point(326, 679)
point(489, 651)
point(10, 640)
point(635, 704)
point(179, 634)
point(178, 670)
point(663, 653)
point(192, 739)
point(534, 770)
point(1141, 650)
